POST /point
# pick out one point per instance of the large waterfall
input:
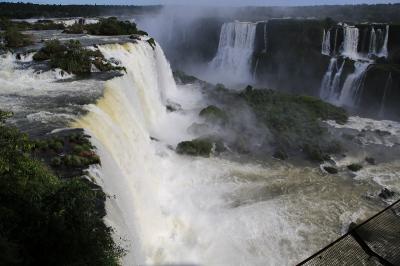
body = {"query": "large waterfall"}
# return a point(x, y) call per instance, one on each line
point(173, 209)
point(233, 60)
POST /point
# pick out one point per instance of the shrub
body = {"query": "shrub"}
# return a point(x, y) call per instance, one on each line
point(73, 58)
point(15, 39)
point(111, 26)
point(213, 114)
point(46, 221)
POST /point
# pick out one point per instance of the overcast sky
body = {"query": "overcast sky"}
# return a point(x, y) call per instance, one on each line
point(213, 2)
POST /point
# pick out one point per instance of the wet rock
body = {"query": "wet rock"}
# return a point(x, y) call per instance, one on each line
point(196, 147)
point(280, 154)
point(330, 170)
point(370, 160)
point(354, 167)
point(173, 107)
point(386, 194)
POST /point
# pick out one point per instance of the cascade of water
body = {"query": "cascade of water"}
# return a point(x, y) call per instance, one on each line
point(352, 87)
point(326, 43)
point(335, 88)
point(384, 50)
point(335, 45)
point(350, 42)
point(330, 85)
point(265, 38)
point(388, 86)
point(372, 43)
point(327, 79)
point(234, 56)
point(255, 69)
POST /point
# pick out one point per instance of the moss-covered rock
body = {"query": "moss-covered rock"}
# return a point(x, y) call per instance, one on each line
point(354, 167)
point(73, 58)
point(295, 121)
point(196, 147)
point(214, 114)
point(184, 78)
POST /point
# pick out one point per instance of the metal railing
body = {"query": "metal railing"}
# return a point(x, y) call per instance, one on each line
point(373, 242)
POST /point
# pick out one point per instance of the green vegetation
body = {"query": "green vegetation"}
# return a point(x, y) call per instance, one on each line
point(196, 147)
point(67, 155)
point(106, 26)
point(355, 167)
point(13, 38)
point(295, 121)
point(29, 10)
point(45, 220)
point(23, 25)
point(73, 58)
point(214, 114)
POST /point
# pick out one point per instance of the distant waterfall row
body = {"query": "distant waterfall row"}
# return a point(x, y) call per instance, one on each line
point(359, 46)
point(361, 42)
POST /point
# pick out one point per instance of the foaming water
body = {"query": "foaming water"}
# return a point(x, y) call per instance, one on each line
point(173, 209)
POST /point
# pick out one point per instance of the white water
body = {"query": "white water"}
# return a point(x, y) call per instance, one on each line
point(330, 85)
point(352, 87)
point(384, 51)
point(350, 42)
point(326, 43)
point(233, 60)
point(372, 43)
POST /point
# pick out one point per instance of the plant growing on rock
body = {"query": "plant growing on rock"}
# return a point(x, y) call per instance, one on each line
point(213, 114)
point(73, 58)
point(295, 121)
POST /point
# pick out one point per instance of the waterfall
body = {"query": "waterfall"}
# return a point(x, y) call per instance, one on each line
point(121, 124)
point(384, 50)
point(234, 56)
point(325, 90)
point(352, 87)
point(330, 85)
point(265, 38)
point(388, 85)
point(372, 43)
point(326, 43)
point(350, 42)
point(165, 206)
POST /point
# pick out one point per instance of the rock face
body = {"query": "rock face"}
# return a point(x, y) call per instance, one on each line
point(288, 55)
point(197, 147)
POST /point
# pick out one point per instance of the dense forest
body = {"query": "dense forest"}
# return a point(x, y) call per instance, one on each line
point(28, 10)
point(355, 13)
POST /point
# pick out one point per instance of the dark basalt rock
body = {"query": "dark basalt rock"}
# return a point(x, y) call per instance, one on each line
point(370, 160)
point(280, 154)
point(354, 167)
point(331, 170)
point(386, 194)
point(196, 147)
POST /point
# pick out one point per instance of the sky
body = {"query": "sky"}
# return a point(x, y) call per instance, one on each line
point(213, 2)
